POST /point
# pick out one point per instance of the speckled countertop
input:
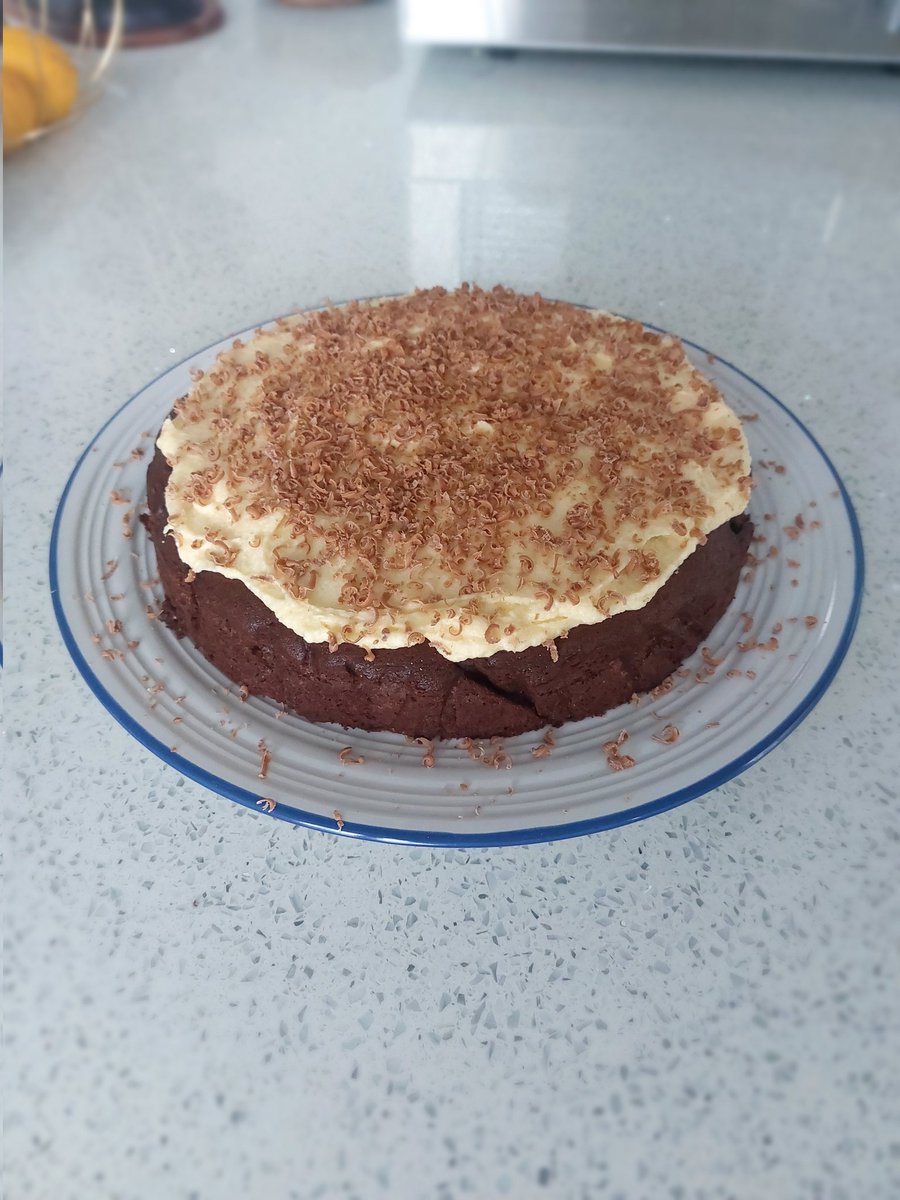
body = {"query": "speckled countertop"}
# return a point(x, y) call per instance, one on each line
point(203, 1002)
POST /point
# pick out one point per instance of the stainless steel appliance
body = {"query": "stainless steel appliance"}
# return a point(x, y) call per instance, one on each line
point(836, 30)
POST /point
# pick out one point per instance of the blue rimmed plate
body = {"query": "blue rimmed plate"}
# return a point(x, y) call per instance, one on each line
point(805, 592)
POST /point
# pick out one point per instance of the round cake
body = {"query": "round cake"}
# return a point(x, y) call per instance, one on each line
point(457, 514)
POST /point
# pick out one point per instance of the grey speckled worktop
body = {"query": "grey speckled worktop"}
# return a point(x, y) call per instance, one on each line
point(204, 1002)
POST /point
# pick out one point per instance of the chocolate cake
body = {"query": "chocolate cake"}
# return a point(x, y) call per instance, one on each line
point(453, 514)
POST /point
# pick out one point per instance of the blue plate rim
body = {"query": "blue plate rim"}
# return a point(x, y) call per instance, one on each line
point(439, 839)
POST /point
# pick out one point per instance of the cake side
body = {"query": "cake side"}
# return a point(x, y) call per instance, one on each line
point(419, 692)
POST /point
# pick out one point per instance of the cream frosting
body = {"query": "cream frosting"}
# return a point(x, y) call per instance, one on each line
point(392, 473)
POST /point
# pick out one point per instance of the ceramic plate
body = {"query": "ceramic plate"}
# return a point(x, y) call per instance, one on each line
point(804, 592)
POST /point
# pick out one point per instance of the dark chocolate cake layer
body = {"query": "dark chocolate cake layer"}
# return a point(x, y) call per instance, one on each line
point(416, 690)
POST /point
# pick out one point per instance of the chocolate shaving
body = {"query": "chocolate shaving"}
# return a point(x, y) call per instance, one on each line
point(265, 757)
point(668, 736)
point(428, 756)
point(546, 745)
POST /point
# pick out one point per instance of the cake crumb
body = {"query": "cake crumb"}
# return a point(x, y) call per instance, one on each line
point(111, 564)
point(339, 818)
point(810, 622)
point(711, 725)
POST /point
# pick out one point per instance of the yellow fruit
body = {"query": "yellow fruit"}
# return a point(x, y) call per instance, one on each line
point(47, 68)
point(20, 109)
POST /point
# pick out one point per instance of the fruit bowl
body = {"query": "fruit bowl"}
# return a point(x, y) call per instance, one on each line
point(46, 83)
